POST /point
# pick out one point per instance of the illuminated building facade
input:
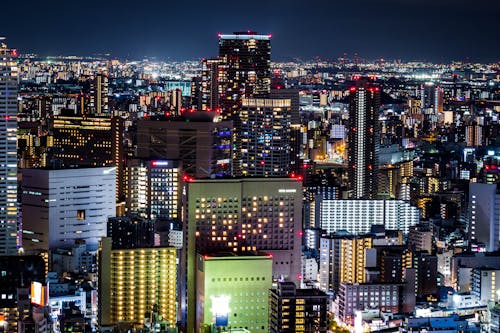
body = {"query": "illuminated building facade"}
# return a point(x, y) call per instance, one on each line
point(153, 188)
point(244, 70)
point(99, 95)
point(363, 296)
point(241, 215)
point(134, 282)
point(364, 142)
point(297, 310)
point(86, 141)
point(63, 206)
point(8, 152)
point(337, 215)
point(203, 146)
point(484, 224)
point(342, 259)
point(263, 137)
point(235, 297)
point(209, 85)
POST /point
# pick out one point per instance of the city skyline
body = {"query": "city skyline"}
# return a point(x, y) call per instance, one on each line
point(409, 30)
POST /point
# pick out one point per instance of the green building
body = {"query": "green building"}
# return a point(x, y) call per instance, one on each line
point(232, 292)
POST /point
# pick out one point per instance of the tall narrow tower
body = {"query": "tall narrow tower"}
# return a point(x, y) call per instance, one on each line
point(8, 150)
point(364, 140)
point(244, 69)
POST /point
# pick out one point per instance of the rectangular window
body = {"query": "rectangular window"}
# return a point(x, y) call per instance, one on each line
point(80, 214)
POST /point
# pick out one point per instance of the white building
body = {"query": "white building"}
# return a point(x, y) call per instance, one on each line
point(357, 216)
point(8, 150)
point(63, 206)
point(484, 219)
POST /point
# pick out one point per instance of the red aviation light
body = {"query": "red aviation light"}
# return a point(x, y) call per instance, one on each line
point(270, 35)
point(187, 178)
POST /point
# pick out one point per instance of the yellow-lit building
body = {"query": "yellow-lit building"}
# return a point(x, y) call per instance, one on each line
point(136, 282)
point(353, 259)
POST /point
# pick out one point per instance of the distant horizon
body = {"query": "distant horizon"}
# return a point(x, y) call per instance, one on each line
point(109, 56)
point(437, 31)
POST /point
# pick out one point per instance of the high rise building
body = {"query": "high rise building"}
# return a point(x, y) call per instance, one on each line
point(136, 285)
point(363, 135)
point(241, 215)
point(202, 144)
point(63, 206)
point(337, 215)
point(263, 138)
point(99, 94)
point(153, 188)
point(297, 310)
point(343, 258)
point(484, 225)
point(209, 85)
point(244, 70)
point(85, 141)
point(431, 97)
point(8, 150)
point(236, 297)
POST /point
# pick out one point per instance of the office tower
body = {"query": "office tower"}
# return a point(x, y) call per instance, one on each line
point(153, 188)
point(297, 310)
point(8, 150)
point(241, 215)
point(263, 138)
point(343, 258)
point(244, 70)
point(484, 225)
point(16, 274)
point(99, 95)
point(336, 215)
point(363, 136)
point(63, 206)
point(235, 297)
point(137, 285)
point(202, 144)
point(86, 141)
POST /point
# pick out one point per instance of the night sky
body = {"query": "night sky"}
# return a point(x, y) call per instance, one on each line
point(435, 30)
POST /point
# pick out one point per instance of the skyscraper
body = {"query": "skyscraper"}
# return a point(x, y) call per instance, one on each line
point(363, 149)
point(8, 150)
point(244, 69)
point(263, 138)
point(99, 94)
